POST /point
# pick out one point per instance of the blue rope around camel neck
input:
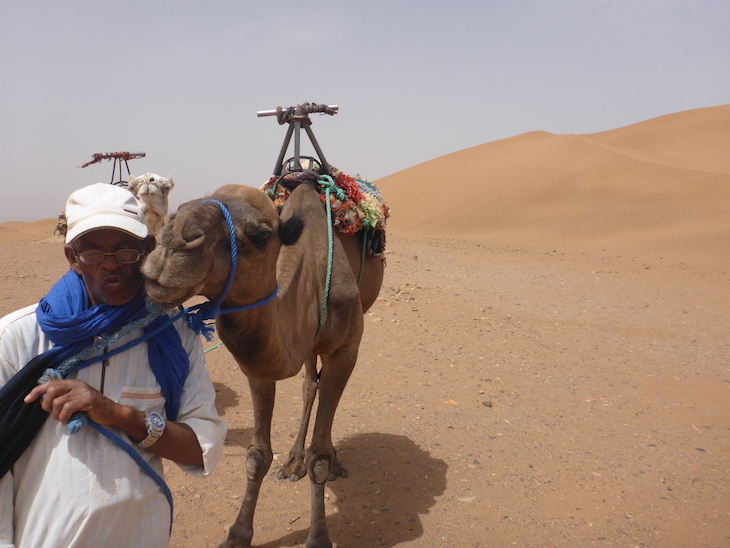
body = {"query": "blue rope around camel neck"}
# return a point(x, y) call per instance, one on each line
point(234, 253)
point(197, 315)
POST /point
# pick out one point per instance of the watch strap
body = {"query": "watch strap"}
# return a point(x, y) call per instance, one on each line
point(155, 427)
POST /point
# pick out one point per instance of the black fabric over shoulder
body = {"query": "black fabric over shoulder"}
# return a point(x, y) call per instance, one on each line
point(20, 421)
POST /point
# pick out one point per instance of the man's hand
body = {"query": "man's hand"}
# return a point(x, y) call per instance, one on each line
point(62, 398)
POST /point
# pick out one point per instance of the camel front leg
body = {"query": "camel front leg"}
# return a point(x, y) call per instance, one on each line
point(294, 468)
point(322, 463)
point(258, 461)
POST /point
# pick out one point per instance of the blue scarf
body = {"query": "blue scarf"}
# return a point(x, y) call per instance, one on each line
point(67, 320)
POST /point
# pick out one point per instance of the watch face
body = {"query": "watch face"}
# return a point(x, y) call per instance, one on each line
point(156, 421)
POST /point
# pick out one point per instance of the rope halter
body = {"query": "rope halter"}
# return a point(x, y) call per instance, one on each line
point(199, 314)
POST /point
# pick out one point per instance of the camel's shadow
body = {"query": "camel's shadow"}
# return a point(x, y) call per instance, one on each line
point(239, 436)
point(391, 483)
point(225, 398)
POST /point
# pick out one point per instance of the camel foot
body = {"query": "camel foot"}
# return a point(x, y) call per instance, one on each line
point(239, 536)
point(337, 471)
point(294, 469)
point(233, 544)
point(237, 541)
point(320, 543)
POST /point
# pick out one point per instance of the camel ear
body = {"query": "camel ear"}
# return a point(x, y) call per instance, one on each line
point(291, 229)
point(170, 182)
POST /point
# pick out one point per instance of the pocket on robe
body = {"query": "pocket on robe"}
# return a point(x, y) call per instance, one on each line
point(144, 399)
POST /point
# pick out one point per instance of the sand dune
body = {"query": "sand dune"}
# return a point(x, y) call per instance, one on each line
point(661, 185)
point(694, 139)
point(509, 396)
point(36, 230)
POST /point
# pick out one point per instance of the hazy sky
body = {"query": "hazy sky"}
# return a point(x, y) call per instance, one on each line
point(182, 81)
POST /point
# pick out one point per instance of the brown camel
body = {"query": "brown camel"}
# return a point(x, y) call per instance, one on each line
point(273, 341)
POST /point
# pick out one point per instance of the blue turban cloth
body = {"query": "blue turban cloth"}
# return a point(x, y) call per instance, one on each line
point(67, 320)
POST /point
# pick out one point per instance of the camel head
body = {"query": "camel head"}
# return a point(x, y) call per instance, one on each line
point(152, 191)
point(193, 255)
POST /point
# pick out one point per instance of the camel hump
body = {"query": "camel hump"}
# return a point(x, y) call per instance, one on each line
point(357, 206)
point(234, 191)
point(246, 193)
point(239, 192)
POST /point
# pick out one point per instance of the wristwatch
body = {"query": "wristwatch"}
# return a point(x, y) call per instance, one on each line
point(155, 427)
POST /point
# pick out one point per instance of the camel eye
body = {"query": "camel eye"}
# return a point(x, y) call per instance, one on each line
point(259, 237)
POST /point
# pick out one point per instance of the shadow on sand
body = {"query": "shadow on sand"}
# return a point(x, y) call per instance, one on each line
point(391, 483)
point(224, 398)
point(240, 437)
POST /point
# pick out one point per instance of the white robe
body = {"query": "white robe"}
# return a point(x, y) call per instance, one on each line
point(82, 490)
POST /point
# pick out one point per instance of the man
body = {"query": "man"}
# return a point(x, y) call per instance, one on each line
point(82, 489)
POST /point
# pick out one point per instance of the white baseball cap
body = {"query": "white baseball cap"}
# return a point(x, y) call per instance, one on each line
point(104, 205)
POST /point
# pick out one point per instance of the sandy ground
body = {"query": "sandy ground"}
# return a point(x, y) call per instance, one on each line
point(503, 397)
point(562, 392)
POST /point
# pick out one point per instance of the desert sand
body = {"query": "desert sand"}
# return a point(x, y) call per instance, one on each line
point(548, 363)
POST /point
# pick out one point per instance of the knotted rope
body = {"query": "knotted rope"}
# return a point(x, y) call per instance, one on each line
point(197, 316)
point(78, 362)
point(208, 311)
point(82, 360)
point(329, 186)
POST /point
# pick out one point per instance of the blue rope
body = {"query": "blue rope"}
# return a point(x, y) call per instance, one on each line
point(124, 347)
point(80, 419)
point(328, 184)
point(234, 253)
point(197, 316)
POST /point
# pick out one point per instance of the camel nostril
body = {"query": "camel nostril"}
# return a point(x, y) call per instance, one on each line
point(192, 235)
point(196, 242)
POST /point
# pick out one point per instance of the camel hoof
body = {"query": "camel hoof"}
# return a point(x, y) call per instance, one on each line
point(291, 477)
point(320, 542)
point(337, 471)
point(232, 544)
point(294, 469)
